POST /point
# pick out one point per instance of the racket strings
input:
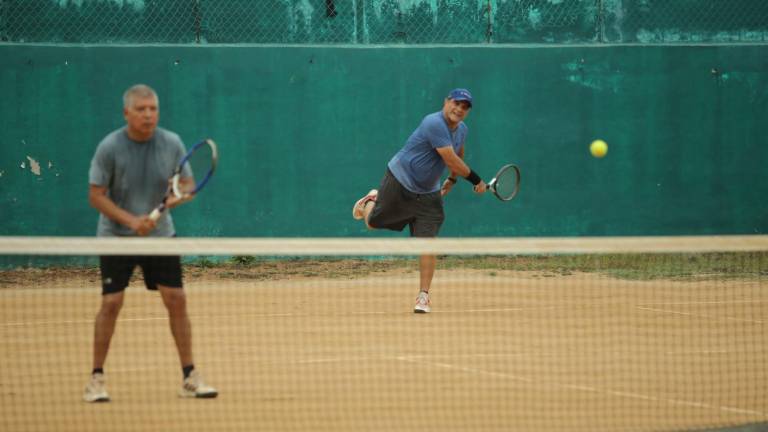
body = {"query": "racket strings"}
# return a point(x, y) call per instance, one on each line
point(201, 163)
point(506, 183)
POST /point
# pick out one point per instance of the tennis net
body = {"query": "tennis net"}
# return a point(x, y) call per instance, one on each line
point(546, 334)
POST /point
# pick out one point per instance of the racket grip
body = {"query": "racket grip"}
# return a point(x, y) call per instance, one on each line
point(155, 215)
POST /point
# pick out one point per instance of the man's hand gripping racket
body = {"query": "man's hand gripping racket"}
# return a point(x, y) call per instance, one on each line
point(200, 161)
point(506, 183)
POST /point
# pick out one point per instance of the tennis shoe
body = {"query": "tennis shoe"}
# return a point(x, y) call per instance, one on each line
point(194, 387)
point(422, 303)
point(358, 211)
point(96, 390)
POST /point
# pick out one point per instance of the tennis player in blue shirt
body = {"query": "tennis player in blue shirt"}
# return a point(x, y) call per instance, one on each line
point(411, 193)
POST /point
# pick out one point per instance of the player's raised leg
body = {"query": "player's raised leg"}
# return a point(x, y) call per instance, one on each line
point(363, 207)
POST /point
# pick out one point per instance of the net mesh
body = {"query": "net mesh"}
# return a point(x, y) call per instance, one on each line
point(585, 334)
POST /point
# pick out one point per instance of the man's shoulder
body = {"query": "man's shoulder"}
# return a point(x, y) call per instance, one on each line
point(169, 142)
point(435, 117)
point(167, 135)
point(433, 122)
point(112, 139)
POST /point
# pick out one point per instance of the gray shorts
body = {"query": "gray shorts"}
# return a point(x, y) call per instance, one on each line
point(397, 207)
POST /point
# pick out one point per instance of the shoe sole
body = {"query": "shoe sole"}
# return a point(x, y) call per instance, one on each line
point(97, 400)
point(420, 311)
point(198, 396)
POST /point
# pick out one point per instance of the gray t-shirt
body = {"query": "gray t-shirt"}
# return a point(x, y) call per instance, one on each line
point(136, 176)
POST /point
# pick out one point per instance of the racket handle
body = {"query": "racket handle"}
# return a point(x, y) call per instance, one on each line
point(156, 213)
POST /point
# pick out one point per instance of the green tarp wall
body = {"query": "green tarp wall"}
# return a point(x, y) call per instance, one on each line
point(305, 131)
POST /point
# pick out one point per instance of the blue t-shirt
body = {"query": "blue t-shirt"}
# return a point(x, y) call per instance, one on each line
point(418, 166)
point(136, 176)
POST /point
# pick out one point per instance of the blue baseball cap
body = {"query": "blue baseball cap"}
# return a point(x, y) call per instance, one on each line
point(460, 94)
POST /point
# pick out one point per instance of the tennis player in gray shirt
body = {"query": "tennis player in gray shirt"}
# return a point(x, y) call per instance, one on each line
point(128, 178)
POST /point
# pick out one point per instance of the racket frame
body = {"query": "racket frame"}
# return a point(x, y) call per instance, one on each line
point(176, 179)
point(175, 188)
point(502, 170)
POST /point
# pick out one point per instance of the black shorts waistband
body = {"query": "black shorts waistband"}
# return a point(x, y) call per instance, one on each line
point(415, 195)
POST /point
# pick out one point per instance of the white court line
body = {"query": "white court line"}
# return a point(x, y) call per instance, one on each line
point(248, 360)
point(89, 321)
point(674, 312)
point(629, 395)
point(421, 361)
point(704, 302)
point(163, 318)
point(375, 313)
point(695, 352)
point(491, 310)
point(475, 355)
point(276, 315)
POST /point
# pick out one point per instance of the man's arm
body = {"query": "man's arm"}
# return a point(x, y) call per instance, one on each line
point(457, 166)
point(454, 162)
point(461, 156)
point(97, 197)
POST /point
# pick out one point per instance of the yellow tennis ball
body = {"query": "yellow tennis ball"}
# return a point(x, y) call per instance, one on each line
point(598, 148)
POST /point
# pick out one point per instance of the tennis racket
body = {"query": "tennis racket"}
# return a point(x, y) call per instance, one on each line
point(201, 160)
point(506, 183)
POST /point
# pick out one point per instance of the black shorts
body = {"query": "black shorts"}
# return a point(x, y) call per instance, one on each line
point(397, 207)
point(116, 271)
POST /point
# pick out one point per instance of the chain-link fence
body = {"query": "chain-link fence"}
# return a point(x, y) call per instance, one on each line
point(383, 21)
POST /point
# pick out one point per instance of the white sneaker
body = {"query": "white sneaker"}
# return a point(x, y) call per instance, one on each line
point(358, 210)
point(422, 303)
point(96, 391)
point(194, 387)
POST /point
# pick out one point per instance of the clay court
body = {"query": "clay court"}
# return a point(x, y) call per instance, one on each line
point(501, 351)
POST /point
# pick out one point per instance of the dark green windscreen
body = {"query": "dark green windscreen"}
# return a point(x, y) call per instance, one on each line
point(306, 131)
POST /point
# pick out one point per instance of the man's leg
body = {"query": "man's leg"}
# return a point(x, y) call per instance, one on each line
point(175, 300)
point(426, 271)
point(429, 219)
point(386, 207)
point(427, 265)
point(367, 213)
point(103, 329)
point(363, 207)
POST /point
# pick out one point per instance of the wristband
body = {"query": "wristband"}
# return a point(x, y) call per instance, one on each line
point(452, 179)
point(473, 177)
